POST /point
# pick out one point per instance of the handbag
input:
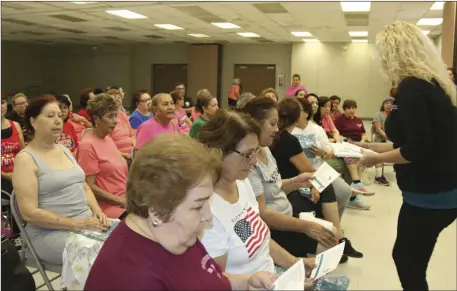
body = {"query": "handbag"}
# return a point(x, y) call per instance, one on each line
point(15, 276)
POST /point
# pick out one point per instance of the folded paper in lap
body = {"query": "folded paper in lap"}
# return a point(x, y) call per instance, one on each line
point(100, 236)
point(292, 279)
point(310, 216)
point(327, 261)
point(323, 177)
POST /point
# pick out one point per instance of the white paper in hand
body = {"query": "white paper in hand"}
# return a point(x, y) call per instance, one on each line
point(347, 150)
point(292, 279)
point(323, 177)
point(327, 261)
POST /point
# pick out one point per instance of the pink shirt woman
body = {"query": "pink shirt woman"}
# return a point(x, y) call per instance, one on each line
point(182, 120)
point(295, 86)
point(162, 122)
point(123, 134)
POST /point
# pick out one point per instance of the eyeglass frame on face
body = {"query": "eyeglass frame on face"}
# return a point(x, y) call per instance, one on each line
point(24, 103)
point(248, 157)
point(145, 100)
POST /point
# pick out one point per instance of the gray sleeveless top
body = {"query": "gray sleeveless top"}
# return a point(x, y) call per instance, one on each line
point(59, 191)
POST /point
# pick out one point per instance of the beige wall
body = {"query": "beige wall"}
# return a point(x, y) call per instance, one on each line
point(347, 70)
point(447, 49)
point(325, 68)
point(232, 54)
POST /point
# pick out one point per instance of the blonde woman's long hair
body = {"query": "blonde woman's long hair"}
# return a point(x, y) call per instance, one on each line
point(406, 52)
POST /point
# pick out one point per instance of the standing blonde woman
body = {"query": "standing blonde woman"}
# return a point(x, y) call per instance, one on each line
point(422, 127)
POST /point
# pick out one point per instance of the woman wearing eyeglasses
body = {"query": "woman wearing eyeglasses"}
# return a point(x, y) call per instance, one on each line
point(237, 238)
point(181, 117)
point(142, 113)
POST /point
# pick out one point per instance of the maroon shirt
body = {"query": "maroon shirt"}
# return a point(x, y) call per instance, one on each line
point(129, 261)
point(350, 127)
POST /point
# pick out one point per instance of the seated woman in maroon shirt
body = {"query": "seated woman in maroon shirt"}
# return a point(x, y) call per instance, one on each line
point(156, 247)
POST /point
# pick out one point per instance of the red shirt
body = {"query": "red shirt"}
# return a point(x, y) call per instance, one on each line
point(11, 146)
point(79, 126)
point(83, 112)
point(350, 127)
point(68, 137)
point(129, 261)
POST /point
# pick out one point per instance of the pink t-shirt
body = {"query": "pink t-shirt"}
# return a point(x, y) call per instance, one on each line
point(195, 114)
point(122, 134)
point(100, 157)
point(78, 126)
point(328, 125)
point(150, 129)
point(182, 119)
point(292, 89)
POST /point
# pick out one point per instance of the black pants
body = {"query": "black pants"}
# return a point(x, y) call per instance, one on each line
point(417, 232)
point(302, 204)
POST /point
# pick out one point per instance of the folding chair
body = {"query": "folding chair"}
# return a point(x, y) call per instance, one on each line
point(34, 261)
point(6, 213)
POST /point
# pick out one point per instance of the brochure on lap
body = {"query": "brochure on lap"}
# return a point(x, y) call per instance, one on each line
point(292, 279)
point(323, 177)
point(327, 261)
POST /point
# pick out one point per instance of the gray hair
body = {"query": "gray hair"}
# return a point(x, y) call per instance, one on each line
point(155, 99)
point(244, 98)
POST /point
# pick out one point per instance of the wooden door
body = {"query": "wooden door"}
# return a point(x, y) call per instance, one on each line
point(255, 78)
point(165, 76)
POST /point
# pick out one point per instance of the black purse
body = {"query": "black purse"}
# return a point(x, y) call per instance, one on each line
point(15, 276)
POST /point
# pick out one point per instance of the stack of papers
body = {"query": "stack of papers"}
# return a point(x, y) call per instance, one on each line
point(347, 150)
point(323, 177)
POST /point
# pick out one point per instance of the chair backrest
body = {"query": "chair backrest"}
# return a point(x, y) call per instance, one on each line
point(16, 212)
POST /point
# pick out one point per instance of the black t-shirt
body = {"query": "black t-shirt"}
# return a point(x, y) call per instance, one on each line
point(422, 124)
point(286, 147)
point(188, 102)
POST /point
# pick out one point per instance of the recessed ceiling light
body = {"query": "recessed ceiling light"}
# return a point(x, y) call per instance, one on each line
point(248, 34)
point(360, 40)
point(126, 14)
point(355, 6)
point(225, 25)
point(430, 21)
point(310, 40)
point(358, 33)
point(198, 35)
point(168, 26)
point(301, 33)
point(438, 5)
point(425, 32)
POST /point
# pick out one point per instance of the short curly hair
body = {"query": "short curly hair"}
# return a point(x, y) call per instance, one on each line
point(100, 105)
point(164, 170)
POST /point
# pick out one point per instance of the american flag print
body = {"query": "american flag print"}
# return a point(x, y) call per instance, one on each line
point(252, 231)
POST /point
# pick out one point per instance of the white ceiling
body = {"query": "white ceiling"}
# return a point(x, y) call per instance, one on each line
point(324, 20)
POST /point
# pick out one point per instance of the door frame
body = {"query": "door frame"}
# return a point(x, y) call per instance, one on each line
point(266, 65)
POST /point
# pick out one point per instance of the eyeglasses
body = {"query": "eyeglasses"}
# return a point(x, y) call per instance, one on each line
point(248, 156)
point(145, 101)
point(21, 104)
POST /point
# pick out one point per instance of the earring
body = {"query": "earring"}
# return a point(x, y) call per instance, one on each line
point(156, 223)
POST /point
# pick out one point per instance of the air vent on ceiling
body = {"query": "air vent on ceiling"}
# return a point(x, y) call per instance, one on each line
point(199, 13)
point(72, 30)
point(17, 21)
point(117, 28)
point(68, 18)
point(356, 19)
point(32, 32)
point(15, 6)
point(154, 36)
point(270, 8)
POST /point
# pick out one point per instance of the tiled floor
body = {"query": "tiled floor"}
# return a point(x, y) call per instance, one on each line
point(373, 232)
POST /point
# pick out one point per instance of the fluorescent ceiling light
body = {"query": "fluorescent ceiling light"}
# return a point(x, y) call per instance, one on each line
point(360, 40)
point(310, 40)
point(198, 35)
point(438, 5)
point(168, 26)
point(301, 33)
point(425, 32)
point(355, 6)
point(248, 34)
point(225, 25)
point(430, 21)
point(126, 14)
point(358, 33)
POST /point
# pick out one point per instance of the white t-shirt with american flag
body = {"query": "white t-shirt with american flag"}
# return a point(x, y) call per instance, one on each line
point(237, 230)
